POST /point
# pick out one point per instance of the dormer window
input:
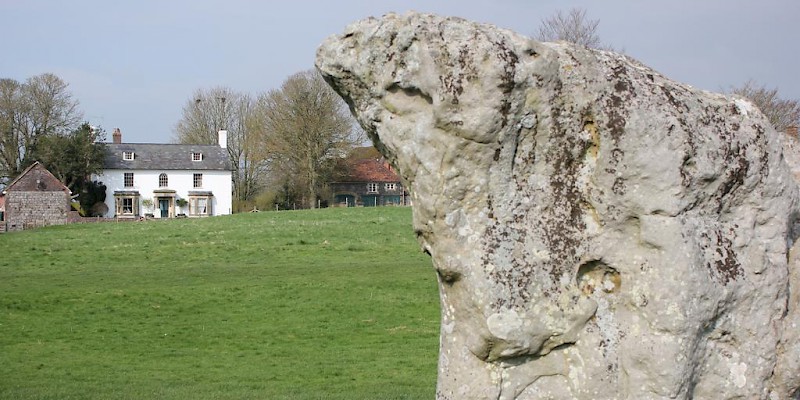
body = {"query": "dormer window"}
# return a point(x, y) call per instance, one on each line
point(127, 155)
point(197, 156)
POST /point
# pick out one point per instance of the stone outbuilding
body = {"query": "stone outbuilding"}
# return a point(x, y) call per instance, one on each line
point(35, 198)
point(369, 183)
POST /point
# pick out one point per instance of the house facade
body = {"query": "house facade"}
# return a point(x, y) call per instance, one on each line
point(166, 180)
point(34, 199)
point(369, 183)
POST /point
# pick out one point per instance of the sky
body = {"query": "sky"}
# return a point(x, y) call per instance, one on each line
point(133, 65)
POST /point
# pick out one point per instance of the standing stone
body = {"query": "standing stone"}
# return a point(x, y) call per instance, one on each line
point(599, 231)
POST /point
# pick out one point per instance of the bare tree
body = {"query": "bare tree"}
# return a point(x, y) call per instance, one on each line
point(250, 169)
point(12, 149)
point(573, 26)
point(209, 111)
point(305, 128)
point(51, 108)
point(41, 106)
point(782, 113)
point(205, 114)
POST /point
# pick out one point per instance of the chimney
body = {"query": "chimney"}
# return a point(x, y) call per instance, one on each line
point(223, 139)
point(117, 136)
point(792, 131)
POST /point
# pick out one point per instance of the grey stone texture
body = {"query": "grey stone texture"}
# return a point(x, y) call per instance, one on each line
point(27, 210)
point(34, 199)
point(599, 231)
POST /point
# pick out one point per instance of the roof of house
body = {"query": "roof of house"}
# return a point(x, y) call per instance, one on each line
point(36, 178)
point(369, 170)
point(159, 156)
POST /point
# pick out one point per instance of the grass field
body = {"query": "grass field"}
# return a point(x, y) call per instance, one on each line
point(326, 304)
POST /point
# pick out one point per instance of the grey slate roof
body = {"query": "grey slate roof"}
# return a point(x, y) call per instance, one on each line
point(159, 156)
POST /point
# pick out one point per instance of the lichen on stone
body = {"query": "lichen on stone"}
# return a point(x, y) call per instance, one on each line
point(598, 230)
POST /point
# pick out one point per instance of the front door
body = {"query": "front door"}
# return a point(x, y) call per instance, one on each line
point(163, 205)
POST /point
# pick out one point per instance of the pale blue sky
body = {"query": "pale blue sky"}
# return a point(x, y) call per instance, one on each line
point(133, 64)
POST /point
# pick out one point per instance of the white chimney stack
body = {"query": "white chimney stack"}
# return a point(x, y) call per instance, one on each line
point(223, 139)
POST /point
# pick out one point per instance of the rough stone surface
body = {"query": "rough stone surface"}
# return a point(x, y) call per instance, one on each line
point(599, 231)
point(35, 198)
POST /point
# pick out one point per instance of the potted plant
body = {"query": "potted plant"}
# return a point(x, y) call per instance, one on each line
point(147, 204)
point(181, 203)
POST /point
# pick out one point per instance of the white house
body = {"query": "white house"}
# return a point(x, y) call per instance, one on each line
point(146, 178)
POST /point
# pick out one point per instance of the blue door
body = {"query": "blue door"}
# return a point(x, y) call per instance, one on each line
point(370, 201)
point(163, 205)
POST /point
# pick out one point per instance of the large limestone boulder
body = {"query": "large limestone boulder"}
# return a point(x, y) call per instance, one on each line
point(599, 231)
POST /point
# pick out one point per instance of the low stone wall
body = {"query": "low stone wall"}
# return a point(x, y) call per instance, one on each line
point(75, 218)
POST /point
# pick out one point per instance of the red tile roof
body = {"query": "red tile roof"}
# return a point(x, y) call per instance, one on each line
point(369, 170)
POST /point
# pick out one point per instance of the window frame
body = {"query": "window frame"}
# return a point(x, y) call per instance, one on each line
point(372, 187)
point(128, 155)
point(126, 205)
point(197, 156)
point(390, 186)
point(123, 210)
point(163, 180)
point(200, 206)
point(197, 180)
point(195, 202)
point(128, 180)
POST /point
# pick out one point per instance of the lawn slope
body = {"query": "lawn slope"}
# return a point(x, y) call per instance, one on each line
point(326, 304)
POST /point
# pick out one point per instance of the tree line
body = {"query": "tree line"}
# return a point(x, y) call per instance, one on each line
point(285, 144)
point(40, 120)
point(29, 111)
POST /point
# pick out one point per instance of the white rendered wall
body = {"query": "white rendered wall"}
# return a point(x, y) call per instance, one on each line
point(182, 182)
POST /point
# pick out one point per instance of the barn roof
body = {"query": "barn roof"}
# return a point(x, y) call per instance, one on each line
point(36, 178)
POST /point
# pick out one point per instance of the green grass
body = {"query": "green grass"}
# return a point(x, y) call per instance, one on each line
point(326, 304)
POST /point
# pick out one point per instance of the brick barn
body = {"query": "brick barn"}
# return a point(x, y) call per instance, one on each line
point(369, 183)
